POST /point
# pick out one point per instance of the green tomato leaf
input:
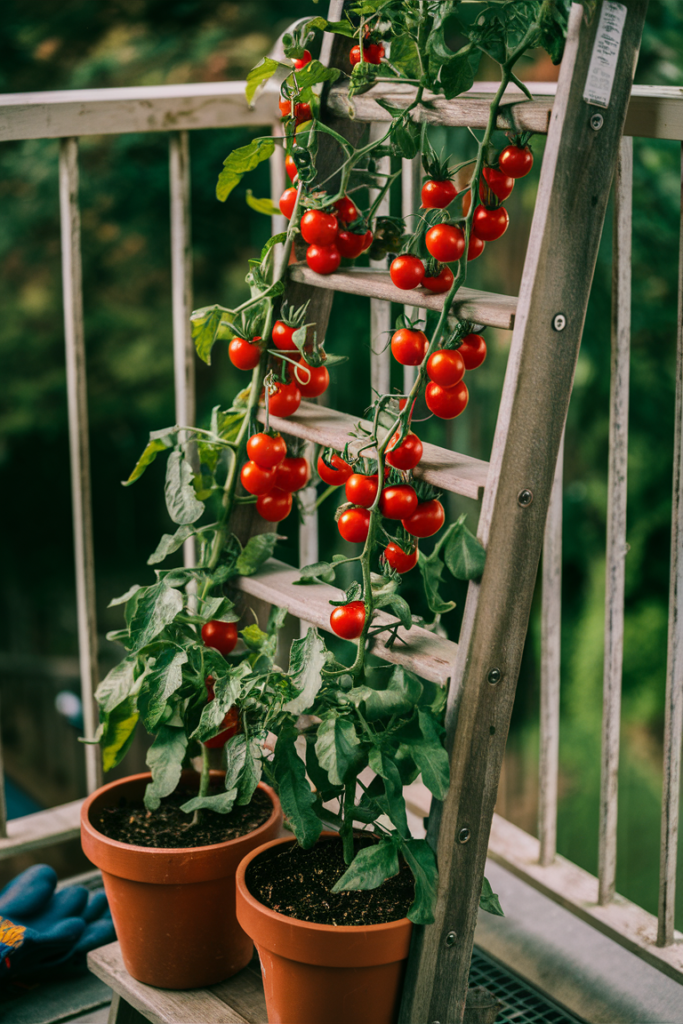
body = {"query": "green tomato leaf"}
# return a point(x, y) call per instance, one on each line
point(163, 676)
point(430, 756)
point(431, 569)
point(465, 556)
point(219, 803)
point(165, 761)
point(254, 637)
point(392, 803)
point(400, 607)
point(154, 446)
point(404, 55)
point(259, 74)
point(169, 543)
point(406, 136)
point(318, 776)
point(273, 240)
point(250, 774)
point(315, 72)
point(205, 325)
point(316, 573)
point(370, 867)
point(262, 205)
point(337, 749)
point(306, 662)
point(401, 695)
point(489, 901)
point(293, 789)
point(421, 861)
point(124, 597)
point(157, 607)
point(242, 160)
point(117, 685)
point(181, 500)
point(341, 28)
point(226, 691)
point(256, 551)
point(116, 732)
point(457, 76)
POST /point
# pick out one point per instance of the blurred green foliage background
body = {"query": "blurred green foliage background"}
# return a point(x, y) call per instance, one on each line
point(126, 258)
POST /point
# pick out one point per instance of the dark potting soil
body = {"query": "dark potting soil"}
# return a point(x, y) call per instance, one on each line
point(298, 883)
point(169, 828)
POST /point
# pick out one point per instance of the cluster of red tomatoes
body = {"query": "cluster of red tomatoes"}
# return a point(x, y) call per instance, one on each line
point(271, 476)
point(329, 235)
point(222, 636)
point(446, 242)
point(305, 381)
point(446, 394)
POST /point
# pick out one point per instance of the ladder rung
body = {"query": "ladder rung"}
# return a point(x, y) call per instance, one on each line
point(428, 655)
point(487, 308)
point(451, 471)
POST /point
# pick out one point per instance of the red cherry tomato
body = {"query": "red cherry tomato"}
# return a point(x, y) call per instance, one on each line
point(398, 501)
point(437, 195)
point(361, 489)
point(372, 54)
point(475, 248)
point(446, 403)
point(348, 620)
point(350, 244)
point(310, 380)
point(266, 450)
point(301, 62)
point(516, 161)
point(490, 224)
point(445, 242)
point(287, 201)
point(282, 336)
point(398, 559)
point(233, 726)
point(347, 210)
point(407, 454)
point(222, 636)
point(473, 351)
point(256, 480)
point(426, 520)
point(318, 227)
point(354, 524)
point(285, 400)
point(245, 355)
point(367, 242)
point(408, 346)
point(323, 259)
point(407, 271)
point(274, 506)
point(302, 111)
point(292, 474)
point(446, 367)
point(336, 474)
point(441, 282)
point(291, 168)
point(501, 185)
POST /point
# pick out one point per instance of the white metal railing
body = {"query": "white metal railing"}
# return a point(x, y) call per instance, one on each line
point(176, 110)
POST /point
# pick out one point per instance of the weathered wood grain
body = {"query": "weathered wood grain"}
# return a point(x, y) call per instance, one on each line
point(121, 1012)
point(487, 308)
point(673, 710)
point(460, 474)
point(420, 651)
point(244, 993)
point(557, 277)
point(616, 521)
point(44, 828)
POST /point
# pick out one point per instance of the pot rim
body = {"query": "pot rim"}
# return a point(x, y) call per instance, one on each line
point(115, 844)
point(295, 922)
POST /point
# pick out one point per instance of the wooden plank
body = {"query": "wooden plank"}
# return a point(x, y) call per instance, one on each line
point(558, 272)
point(616, 521)
point(487, 308)
point(576, 889)
point(160, 1005)
point(150, 108)
point(79, 449)
point(673, 712)
point(44, 828)
point(551, 634)
point(420, 651)
point(244, 993)
point(451, 471)
point(121, 1012)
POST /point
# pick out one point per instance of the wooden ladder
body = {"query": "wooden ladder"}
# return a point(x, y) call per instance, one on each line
point(547, 320)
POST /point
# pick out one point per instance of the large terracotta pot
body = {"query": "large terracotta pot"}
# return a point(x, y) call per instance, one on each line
point(320, 972)
point(173, 910)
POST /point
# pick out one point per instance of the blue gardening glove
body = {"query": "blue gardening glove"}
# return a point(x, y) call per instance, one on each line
point(41, 929)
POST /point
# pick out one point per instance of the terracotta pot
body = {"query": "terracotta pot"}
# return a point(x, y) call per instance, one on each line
point(320, 972)
point(173, 910)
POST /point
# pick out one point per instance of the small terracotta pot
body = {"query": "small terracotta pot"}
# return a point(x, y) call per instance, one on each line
point(173, 910)
point(321, 972)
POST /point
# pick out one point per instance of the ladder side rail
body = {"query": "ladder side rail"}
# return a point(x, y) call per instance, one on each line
point(576, 175)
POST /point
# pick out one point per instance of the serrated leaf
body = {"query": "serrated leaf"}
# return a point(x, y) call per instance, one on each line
point(489, 901)
point(165, 761)
point(293, 789)
point(262, 205)
point(256, 551)
point(152, 449)
point(421, 861)
point(117, 685)
point(370, 867)
point(404, 55)
point(431, 569)
point(219, 803)
point(181, 500)
point(464, 555)
point(273, 240)
point(337, 748)
point(155, 609)
point(341, 28)
point(430, 756)
point(205, 324)
point(259, 74)
point(401, 694)
point(306, 662)
point(226, 690)
point(124, 597)
point(314, 72)
point(163, 677)
point(240, 161)
point(169, 543)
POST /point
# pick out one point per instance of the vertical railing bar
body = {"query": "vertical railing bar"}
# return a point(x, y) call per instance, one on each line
point(380, 309)
point(410, 204)
point(673, 715)
point(551, 626)
point(616, 521)
point(79, 448)
point(181, 286)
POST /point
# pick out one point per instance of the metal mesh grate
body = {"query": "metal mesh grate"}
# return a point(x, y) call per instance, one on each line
point(521, 1002)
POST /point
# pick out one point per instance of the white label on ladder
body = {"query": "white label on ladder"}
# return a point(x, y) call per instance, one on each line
point(605, 54)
